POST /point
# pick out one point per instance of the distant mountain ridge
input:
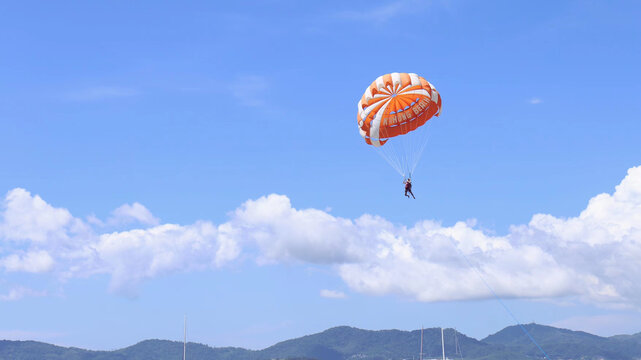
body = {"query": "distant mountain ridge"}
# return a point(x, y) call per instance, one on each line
point(567, 344)
point(348, 343)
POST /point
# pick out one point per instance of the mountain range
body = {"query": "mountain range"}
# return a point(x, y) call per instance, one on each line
point(348, 343)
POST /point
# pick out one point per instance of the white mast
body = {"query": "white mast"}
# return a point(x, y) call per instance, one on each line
point(185, 339)
point(420, 356)
point(443, 343)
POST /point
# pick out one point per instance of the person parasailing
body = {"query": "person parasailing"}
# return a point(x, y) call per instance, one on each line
point(408, 187)
point(391, 118)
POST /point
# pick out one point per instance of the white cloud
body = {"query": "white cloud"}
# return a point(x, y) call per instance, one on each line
point(535, 101)
point(100, 93)
point(593, 256)
point(31, 262)
point(136, 212)
point(332, 294)
point(37, 237)
point(283, 233)
point(134, 255)
point(30, 219)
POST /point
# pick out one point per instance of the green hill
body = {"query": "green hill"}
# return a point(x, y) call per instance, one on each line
point(566, 344)
point(348, 343)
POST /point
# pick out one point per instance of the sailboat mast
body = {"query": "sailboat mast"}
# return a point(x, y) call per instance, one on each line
point(443, 343)
point(185, 339)
point(420, 356)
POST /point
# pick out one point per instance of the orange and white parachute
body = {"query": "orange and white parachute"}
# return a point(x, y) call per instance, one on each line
point(393, 108)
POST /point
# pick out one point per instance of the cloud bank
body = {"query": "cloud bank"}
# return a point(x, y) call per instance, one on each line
point(593, 256)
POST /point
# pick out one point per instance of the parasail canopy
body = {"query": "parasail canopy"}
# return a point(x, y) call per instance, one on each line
point(395, 105)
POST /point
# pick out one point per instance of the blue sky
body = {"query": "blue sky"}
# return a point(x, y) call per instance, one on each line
point(203, 158)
